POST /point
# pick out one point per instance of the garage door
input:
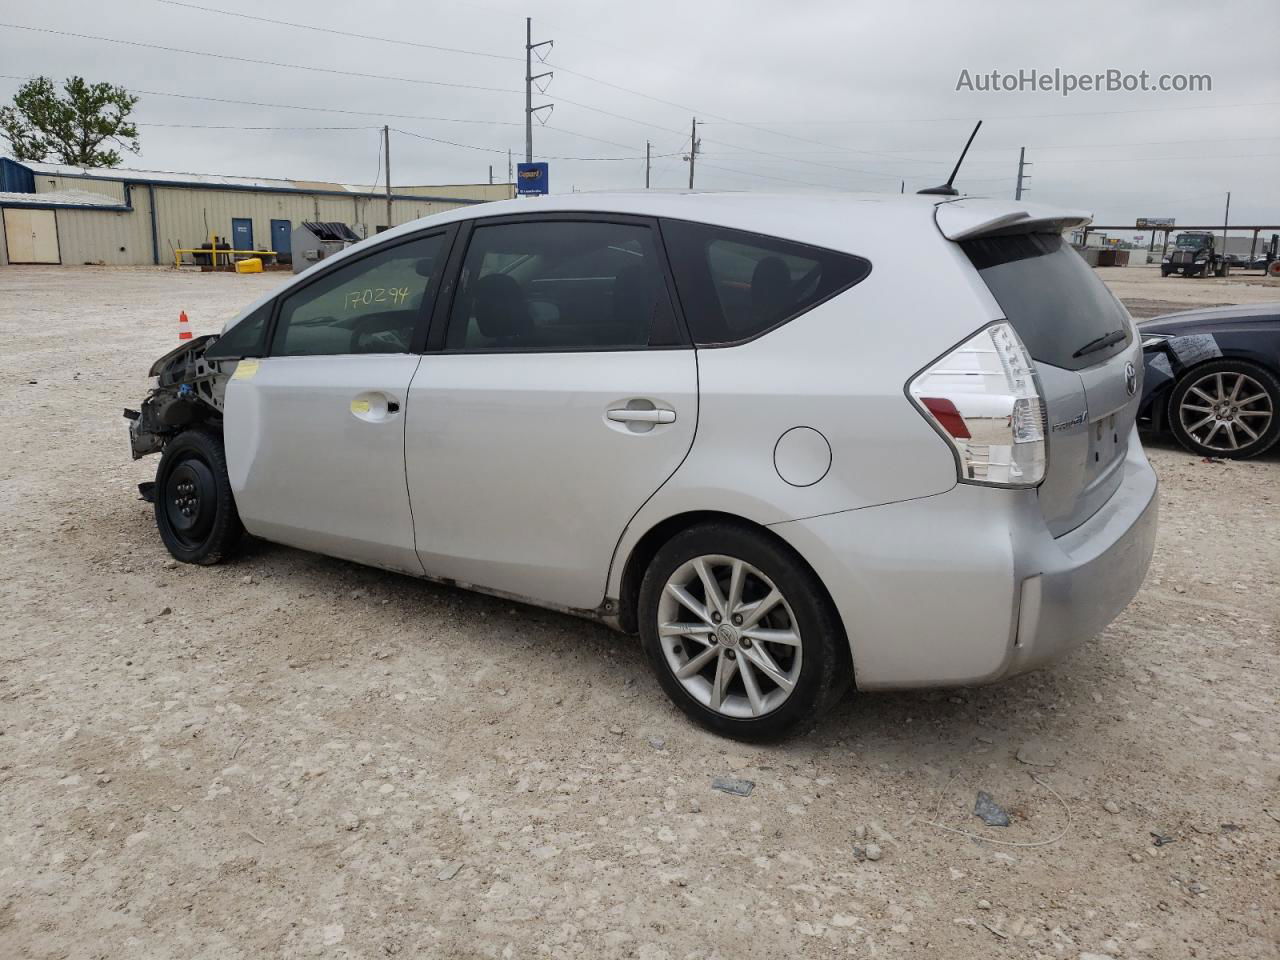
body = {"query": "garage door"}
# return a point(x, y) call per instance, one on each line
point(31, 236)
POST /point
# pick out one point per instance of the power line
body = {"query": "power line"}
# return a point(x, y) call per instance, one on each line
point(298, 106)
point(408, 133)
point(469, 146)
point(1062, 146)
point(267, 63)
point(337, 33)
point(763, 153)
point(1201, 159)
point(357, 113)
point(219, 126)
point(1020, 116)
point(529, 79)
point(767, 176)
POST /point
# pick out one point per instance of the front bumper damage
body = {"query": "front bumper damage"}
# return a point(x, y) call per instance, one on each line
point(188, 390)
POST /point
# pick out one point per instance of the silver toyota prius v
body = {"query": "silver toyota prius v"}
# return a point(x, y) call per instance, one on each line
point(796, 443)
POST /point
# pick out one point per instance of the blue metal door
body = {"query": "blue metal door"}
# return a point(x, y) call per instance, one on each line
point(242, 233)
point(281, 237)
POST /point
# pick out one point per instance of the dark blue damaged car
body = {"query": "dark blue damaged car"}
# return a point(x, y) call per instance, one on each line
point(1212, 378)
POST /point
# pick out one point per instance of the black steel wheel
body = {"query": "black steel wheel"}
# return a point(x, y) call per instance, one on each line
point(195, 511)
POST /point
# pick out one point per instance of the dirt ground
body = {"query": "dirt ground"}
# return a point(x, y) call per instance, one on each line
point(294, 756)
point(1148, 294)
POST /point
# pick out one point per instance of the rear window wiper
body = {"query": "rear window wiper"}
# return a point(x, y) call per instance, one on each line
point(1100, 343)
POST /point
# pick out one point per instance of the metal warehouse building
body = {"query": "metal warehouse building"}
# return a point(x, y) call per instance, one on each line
point(54, 214)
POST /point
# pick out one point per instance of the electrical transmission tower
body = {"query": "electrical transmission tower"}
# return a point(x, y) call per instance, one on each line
point(1022, 178)
point(529, 79)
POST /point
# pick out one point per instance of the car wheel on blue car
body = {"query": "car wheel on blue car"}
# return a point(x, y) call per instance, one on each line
point(741, 635)
point(1226, 408)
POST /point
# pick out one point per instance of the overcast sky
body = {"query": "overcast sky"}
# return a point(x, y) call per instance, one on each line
point(795, 96)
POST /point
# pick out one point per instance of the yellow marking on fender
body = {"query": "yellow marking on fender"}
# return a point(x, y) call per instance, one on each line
point(246, 369)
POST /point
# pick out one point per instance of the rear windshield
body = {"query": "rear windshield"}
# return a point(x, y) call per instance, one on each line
point(1061, 310)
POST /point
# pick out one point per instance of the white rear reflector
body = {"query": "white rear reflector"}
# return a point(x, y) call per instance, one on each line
point(984, 397)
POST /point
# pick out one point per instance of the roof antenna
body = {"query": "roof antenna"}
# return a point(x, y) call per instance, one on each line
point(947, 190)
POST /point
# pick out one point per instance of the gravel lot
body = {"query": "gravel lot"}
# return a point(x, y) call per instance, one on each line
point(295, 756)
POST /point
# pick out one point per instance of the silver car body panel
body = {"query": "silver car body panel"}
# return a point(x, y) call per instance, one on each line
point(520, 479)
point(316, 458)
point(505, 471)
point(969, 586)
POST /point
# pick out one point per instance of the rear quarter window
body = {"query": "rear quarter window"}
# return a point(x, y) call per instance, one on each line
point(735, 286)
point(1055, 301)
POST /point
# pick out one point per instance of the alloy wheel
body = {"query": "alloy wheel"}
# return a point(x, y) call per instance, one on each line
point(1226, 411)
point(729, 636)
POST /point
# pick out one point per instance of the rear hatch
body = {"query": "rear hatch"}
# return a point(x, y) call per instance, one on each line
point(1083, 342)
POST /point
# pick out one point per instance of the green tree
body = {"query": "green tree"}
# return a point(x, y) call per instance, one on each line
point(41, 124)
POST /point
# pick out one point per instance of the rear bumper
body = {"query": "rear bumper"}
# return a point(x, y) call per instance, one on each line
point(969, 586)
point(1086, 578)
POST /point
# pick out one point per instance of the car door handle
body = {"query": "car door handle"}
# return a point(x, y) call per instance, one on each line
point(627, 415)
point(374, 407)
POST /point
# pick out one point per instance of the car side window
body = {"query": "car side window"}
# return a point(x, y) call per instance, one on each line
point(551, 285)
point(372, 305)
point(735, 285)
point(245, 339)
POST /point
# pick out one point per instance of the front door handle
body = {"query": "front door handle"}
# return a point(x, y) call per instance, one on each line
point(628, 415)
point(373, 406)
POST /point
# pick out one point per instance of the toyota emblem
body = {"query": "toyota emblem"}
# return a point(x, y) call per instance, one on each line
point(1130, 378)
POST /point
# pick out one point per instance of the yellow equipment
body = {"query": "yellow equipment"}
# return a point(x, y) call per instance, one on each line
point(213, 252)
point(249, 265)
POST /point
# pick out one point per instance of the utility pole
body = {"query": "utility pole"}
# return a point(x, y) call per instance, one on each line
point(1022, 164)
point(509, 179)
point(693, 150)
point(646, 164)
point(1226, 218)
point(529, 108)
point(491, 174)
point(386, 152)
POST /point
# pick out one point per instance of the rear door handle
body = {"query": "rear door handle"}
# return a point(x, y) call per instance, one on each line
point(627, 415)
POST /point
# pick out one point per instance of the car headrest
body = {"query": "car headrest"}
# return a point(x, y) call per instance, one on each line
point(500, 308)
point(770, 289)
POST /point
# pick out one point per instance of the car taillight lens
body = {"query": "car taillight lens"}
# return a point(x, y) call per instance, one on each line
point(984, 397)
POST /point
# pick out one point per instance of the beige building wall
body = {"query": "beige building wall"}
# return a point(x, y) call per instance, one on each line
point(465, 191)
point(115, 238)
point(186, 216)
point(47, 183)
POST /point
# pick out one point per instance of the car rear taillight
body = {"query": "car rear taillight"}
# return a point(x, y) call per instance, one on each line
point(984, 398)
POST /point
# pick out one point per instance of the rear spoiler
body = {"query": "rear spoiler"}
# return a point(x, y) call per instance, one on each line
point(967, 219)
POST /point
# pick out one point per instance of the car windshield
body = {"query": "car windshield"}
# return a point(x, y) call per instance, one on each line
point(1194, 241)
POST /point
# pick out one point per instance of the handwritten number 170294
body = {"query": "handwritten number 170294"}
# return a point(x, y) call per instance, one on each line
point(394, 296)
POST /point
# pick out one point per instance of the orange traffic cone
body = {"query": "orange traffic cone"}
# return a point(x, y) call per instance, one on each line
point(184, 327)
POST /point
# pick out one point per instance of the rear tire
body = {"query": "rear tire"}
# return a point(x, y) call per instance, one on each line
point(195, 511)
point(1210, 390)
point(756, 669)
